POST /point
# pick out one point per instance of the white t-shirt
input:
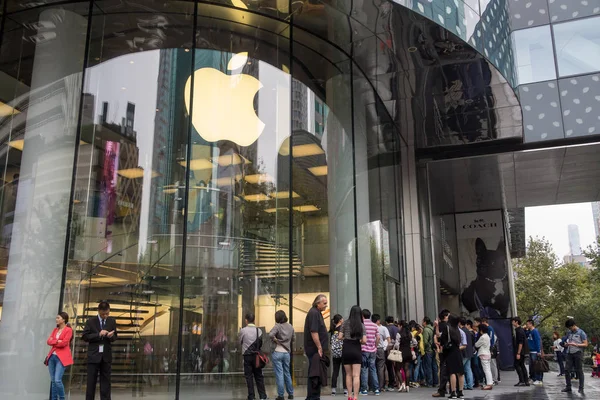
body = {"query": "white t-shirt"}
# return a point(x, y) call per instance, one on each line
point(557, 346)
point(57, 336)
point(384, 337)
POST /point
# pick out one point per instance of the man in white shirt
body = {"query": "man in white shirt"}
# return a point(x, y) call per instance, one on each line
point(382, 350)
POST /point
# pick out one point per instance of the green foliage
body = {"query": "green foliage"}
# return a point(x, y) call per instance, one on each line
point(593, 255)
point(549, 290)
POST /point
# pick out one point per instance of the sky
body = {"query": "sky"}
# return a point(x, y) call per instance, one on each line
point(552, 223)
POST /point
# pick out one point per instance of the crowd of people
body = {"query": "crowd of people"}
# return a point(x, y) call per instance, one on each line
point(452, 353)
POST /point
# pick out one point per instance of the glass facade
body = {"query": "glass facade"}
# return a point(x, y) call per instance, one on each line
point(189, 163)
point(534, 55)
point(577, 46)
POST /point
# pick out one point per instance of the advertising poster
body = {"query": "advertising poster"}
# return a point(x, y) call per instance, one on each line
point(483, 270)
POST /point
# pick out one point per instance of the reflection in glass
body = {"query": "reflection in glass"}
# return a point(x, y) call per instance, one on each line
point(534, 55)
point(578, 46)
point(213, 176)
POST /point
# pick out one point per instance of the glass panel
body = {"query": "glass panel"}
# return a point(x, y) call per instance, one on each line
point(534, 55)
point(578, 46)
point(40, 85)
point(130, 191)
point(323, 222)
point(237, 251)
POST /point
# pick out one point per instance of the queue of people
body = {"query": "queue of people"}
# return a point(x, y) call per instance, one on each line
point(451, 353)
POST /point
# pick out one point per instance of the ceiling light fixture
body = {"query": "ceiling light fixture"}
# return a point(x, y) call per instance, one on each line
point(284, 195)
point(135, 173)
point(257, 197)
point(319, 171)
point(6, 110)
point(274, 210)
point(239, 4)
point(232, 159)
point(198, 164)
point(258, 178)
point(307, 208)
point(17, 144)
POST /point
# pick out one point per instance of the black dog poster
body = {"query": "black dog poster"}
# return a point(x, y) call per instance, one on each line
point(484, 273)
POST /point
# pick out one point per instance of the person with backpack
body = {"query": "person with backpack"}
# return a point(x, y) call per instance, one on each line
point(337, 346)
point(250, 338)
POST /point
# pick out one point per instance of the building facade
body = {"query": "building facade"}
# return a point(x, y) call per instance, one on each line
point(192, 161)
point(574, 240)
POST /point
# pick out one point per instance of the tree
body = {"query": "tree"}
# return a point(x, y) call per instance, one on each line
point(545, 289)
point(592, 253)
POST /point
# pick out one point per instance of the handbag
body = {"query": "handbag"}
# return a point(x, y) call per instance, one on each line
point(395, 355)
point(540, 365)
point(46, 361)
point(261, 359)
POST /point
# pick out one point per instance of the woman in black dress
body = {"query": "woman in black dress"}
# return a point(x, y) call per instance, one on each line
point(353, 333)
point(453, 357)
point(405, 340)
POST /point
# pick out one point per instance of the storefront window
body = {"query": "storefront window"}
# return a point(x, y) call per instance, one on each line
point(188, 163)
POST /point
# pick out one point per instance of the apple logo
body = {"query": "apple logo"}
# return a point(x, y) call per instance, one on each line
point(224, 104)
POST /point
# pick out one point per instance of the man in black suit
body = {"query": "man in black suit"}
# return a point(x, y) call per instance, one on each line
point(99, 332)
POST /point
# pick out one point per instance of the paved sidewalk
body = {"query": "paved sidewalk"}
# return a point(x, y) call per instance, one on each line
point(504, 391)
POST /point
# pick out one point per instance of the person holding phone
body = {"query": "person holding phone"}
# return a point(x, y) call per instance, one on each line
point(577, 341)
point(99, 332)
point(59, 357)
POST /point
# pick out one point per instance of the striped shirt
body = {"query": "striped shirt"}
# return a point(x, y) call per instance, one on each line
point(372, 335)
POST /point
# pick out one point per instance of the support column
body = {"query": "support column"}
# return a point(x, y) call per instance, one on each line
point(415, 305)
point(37, 246)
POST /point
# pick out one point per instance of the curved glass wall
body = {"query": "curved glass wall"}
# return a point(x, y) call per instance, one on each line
point(189, 163)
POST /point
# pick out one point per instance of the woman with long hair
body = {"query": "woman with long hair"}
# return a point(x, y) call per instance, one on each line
point(453, 357)
point(282, 336)
point(353, 333)
point(485, 355)
point(59, 357)
point(336, 354)
point(558, 351)
point(405, 343)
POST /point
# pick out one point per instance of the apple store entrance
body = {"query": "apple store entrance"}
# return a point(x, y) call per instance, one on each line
point(214, 161)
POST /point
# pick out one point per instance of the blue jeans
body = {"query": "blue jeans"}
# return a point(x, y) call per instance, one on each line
point(430, 369)
point(532, 374)
point(367, 369)
point(560, 358)
point(281, 366)
point(56, 369)
point(469, 382)
point(415, 368)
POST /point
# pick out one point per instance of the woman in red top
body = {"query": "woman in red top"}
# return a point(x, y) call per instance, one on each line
point(59, 357)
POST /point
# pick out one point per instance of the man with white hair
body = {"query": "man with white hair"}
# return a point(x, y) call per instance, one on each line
point(315, 341)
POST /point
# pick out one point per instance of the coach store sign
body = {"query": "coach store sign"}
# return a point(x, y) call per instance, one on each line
point(487, 224)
